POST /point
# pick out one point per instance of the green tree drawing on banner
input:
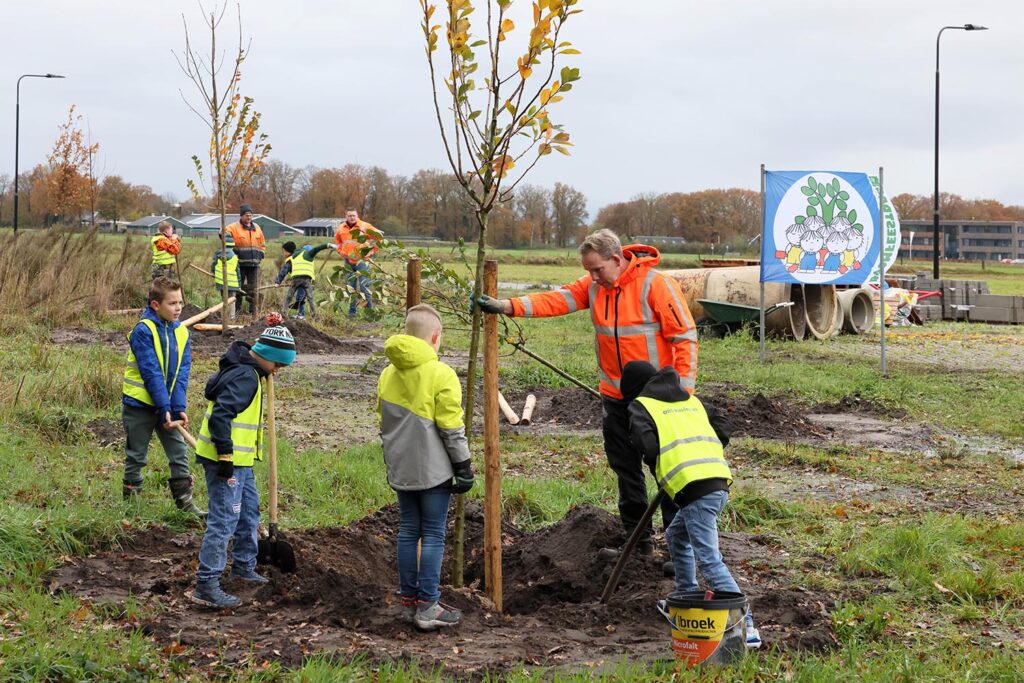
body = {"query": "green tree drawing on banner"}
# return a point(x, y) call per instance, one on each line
point(828, 201)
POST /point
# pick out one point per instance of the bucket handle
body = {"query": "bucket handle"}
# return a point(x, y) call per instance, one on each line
point(672, 623)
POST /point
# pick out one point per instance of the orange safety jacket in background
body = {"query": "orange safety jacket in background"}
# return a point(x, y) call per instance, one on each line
point(172, 245)
point(349, 247)
point(250, 244)
point(643, 317)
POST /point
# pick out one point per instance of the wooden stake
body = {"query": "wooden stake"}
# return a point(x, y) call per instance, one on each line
point(204, 272)
point(202, 316)
point(492, 460)
point(213, 327)
point(412, 283)
point(531, 403)
point(124, 311)
point(506, 409)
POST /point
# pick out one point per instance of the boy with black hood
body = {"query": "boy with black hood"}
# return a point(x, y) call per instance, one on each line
point(229, 443)
point(683, 441)
point(298, 268)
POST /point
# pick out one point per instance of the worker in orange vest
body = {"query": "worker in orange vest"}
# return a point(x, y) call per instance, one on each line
point(357, 247)
point(250, 247)
point(638, 314)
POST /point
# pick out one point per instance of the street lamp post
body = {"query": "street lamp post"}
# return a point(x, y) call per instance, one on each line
point(935, 212)
point(17, 121)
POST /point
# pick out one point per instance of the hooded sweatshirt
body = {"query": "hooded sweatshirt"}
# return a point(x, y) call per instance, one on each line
point(419, 405)
point(232, 389)
point(157, 383)
point(643, 433)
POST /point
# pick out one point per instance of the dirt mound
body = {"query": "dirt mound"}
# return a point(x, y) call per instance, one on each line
point(308, 339)
point(106, 431)
point(343, 599)
point(67, 336)
point(855, 403)
point(556, 409)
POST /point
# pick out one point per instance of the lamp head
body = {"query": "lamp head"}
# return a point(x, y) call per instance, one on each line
point(975, 27)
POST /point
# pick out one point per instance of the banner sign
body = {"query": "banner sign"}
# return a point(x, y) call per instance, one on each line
point(820, 228)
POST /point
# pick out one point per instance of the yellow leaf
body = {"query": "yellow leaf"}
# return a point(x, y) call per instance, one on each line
point(571, 51)
point(507, 25)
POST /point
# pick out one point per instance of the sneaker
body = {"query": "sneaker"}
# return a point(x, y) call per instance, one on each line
point(434, 615)
point(753, 635)
point(408, 608)
point(130, 490)
point(300, 317)
point(644, 548)
point(209, 594)
point(250, 576)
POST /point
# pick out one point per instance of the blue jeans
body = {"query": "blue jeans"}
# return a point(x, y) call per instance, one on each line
point(693, 534)
point(359, 282)
point(424, 515)
point(234, 513)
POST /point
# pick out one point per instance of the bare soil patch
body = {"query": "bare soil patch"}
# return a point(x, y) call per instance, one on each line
point(106, 431)
point(343, 599)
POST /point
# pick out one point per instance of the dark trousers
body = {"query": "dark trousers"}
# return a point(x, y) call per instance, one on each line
point(250, 282)
point(628, 465)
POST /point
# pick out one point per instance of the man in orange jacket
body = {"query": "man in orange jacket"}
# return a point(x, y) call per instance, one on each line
point(250, 247)
point(357, 254)
point(638, 314)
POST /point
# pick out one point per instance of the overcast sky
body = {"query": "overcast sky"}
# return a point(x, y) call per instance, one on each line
point(676, 95)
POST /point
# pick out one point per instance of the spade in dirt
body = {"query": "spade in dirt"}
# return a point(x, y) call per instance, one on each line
point(272, 550)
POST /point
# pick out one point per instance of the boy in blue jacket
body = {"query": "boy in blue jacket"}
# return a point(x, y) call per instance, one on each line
point(154, 393)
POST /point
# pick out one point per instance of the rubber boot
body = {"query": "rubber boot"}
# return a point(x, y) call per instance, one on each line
point(181, 491)
point(130, 489)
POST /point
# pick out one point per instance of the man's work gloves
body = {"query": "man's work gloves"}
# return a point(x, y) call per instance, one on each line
point(225, 469)
point(463, 477)
point(488, 304)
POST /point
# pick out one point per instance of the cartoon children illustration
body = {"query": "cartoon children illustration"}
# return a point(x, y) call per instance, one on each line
point(850, 258)
point(835, 244)
point(792, 252)
point(810, 243)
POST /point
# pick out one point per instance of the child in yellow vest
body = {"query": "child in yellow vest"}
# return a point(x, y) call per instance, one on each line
point(685, 440)
point(229, 442)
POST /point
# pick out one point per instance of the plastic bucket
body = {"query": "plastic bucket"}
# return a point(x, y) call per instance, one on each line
point(711, 631)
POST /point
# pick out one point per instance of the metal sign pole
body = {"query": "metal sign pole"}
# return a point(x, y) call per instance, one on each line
point(761, 278)
point(881, 265)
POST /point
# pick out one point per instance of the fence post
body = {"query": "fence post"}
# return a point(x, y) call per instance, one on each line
point(412, 283)
point(492, 459)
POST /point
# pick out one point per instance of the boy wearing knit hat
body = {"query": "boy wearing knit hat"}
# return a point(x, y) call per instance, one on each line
point(683, 442)
point(230, 441)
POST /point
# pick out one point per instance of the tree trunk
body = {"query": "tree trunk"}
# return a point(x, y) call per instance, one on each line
point(458, 552)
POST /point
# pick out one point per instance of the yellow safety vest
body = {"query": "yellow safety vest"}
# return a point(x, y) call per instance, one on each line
point(132, 384)
point(232, 267)
point(302, 267)
point(246, 433)
point(689, 449)
point(160, 257)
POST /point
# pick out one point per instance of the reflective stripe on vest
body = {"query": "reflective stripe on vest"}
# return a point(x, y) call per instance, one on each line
point(689, 449)
point(232, 268)
point(132, 385)
point(160, 257)
point(301, 267)
point(246, 433)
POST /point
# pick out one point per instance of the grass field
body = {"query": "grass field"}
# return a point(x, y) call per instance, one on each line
point(923, 547)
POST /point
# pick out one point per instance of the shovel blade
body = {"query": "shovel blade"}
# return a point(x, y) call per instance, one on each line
point(276, 553)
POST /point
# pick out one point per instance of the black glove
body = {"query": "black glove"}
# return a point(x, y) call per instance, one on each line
point(463, 477)
point(225, 469)
point(488, 304)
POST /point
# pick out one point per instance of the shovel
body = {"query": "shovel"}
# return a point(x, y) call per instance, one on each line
point(272, 550)
point(613, 580)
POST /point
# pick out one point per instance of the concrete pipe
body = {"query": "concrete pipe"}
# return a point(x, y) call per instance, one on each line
point(837, 320)
point(820, 306)
point(858, 311)
point(741, 285)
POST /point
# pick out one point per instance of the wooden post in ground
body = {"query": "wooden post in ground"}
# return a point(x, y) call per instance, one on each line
point(492, 460)
point(412, 283)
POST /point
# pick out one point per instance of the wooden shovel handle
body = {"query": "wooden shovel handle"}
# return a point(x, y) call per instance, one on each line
point(272, 449)
point(184, 434)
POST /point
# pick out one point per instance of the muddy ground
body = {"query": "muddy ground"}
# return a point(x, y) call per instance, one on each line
point(343, 599)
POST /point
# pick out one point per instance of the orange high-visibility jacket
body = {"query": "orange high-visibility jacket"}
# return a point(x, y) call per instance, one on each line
point(349, 247)
point(172, 245)
point(643, 317)
point(250, 244)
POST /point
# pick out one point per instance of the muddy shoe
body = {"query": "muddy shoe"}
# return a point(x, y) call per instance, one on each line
point(209, 594)
point(668, 568)
point(249, 576)
point(181, 492)
point(642, 548)
point(130, 490)
point(435, 615)
point(408, 607)
point(753, 635)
